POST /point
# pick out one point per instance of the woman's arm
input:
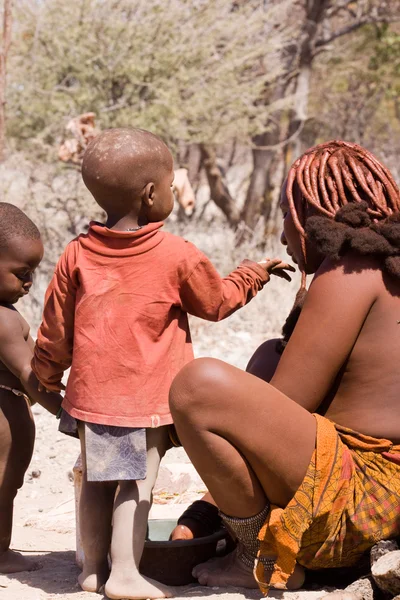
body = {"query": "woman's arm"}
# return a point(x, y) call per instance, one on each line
point(337, 304)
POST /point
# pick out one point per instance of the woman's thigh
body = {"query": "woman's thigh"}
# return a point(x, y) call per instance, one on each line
point(275, 435)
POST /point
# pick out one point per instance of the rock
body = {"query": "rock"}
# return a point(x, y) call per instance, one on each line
point(36, 474)
point(341, 595)
point(362, 588)
point(382, 548)
point(386, 572)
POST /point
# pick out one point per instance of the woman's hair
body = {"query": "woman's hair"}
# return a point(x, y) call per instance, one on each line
point(345, 200)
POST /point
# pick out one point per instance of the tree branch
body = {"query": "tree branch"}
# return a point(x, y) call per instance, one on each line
point(346, 30)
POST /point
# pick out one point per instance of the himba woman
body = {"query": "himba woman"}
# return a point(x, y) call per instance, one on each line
point(306, 469)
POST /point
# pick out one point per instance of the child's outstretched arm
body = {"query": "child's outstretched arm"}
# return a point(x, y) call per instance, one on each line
point(205, 294)
point(53, 349)
point(16, 355)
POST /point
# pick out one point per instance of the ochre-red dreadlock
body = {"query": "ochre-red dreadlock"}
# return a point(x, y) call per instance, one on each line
point(349, 201)
point(330, 176)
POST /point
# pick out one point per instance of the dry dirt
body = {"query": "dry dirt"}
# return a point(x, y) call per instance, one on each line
point(44, 511)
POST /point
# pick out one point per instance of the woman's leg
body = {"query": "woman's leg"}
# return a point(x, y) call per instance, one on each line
point(250, 443)
point(262, 364)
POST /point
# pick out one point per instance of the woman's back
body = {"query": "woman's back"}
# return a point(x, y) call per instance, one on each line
point(348, 338)
point(367, 396)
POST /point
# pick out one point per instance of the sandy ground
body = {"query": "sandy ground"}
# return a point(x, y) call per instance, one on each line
point(45, 521)
point(44, 525)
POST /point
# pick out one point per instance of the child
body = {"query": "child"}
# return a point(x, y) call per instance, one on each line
point(307, 468)
point(116, 312)
point(21, 251)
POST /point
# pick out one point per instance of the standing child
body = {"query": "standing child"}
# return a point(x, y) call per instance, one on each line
point(116, 312)
point(21, 251)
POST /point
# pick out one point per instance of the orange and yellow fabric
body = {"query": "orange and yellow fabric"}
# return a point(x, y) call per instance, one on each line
point(348, 501)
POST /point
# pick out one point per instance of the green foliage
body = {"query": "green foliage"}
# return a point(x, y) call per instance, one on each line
point(356, 95)
point(385, 60)
point(190, 70)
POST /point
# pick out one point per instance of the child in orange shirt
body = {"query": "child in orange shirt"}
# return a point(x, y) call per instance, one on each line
point(116, 312)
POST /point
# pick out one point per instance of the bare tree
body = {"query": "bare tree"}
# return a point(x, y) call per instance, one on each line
point(5, 46)
point(320, 23)
point(219, 191)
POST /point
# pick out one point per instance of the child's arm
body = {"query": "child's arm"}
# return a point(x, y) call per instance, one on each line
point(207, 295)
point(53, 349)
point(16, 355)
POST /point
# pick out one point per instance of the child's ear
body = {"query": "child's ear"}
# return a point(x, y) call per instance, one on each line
point(148, 194)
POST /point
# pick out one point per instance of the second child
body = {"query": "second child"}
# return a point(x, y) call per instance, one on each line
point(21, 250)
point(116, 312)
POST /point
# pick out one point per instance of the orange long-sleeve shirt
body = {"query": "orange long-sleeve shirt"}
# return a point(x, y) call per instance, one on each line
point(116, 313)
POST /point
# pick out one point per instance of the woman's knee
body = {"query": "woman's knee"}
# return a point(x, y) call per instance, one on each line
point(195, 386)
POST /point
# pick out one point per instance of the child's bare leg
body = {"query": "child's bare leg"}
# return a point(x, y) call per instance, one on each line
point(95, 518)
point(231, 424)
point(17, 435)
point(131, 513)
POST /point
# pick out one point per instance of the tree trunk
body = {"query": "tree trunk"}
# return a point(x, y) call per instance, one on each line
point(315, 12)
point(259, 195)
point(259, 180)
point(5, 46)
point(218, 189)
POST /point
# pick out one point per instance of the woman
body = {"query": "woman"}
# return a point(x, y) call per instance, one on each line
point(305, 470)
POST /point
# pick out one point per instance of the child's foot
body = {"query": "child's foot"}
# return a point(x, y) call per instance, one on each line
point(135, 587)
point(230, 570)
point(14, 562)
point(93, 579)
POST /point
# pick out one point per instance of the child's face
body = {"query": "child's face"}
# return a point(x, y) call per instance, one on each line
point(291, 238)
point(163, 197)
point(17, 264)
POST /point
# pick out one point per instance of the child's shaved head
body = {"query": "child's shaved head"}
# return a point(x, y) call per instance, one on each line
point(119, 163)
point(14, 223)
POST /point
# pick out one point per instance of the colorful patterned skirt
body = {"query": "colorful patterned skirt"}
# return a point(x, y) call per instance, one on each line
point(348, 501)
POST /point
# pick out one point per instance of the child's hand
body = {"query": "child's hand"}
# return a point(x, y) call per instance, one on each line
point(56, 388)
point(276, 266)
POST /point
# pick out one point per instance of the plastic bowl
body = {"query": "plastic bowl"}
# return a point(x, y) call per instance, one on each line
point(172, 562)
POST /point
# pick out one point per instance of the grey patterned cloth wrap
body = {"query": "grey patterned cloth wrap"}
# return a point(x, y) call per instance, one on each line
point(112, 453)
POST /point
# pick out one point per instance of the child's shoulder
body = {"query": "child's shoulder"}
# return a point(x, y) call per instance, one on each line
point(69, 255)
point(12, 322)
point(180, 250)
point(180, 243)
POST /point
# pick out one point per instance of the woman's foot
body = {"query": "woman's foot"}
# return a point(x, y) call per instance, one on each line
point(14, 562)
point(131, 586)
point(225, 571)
point(93, 577)
point(230, 570)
